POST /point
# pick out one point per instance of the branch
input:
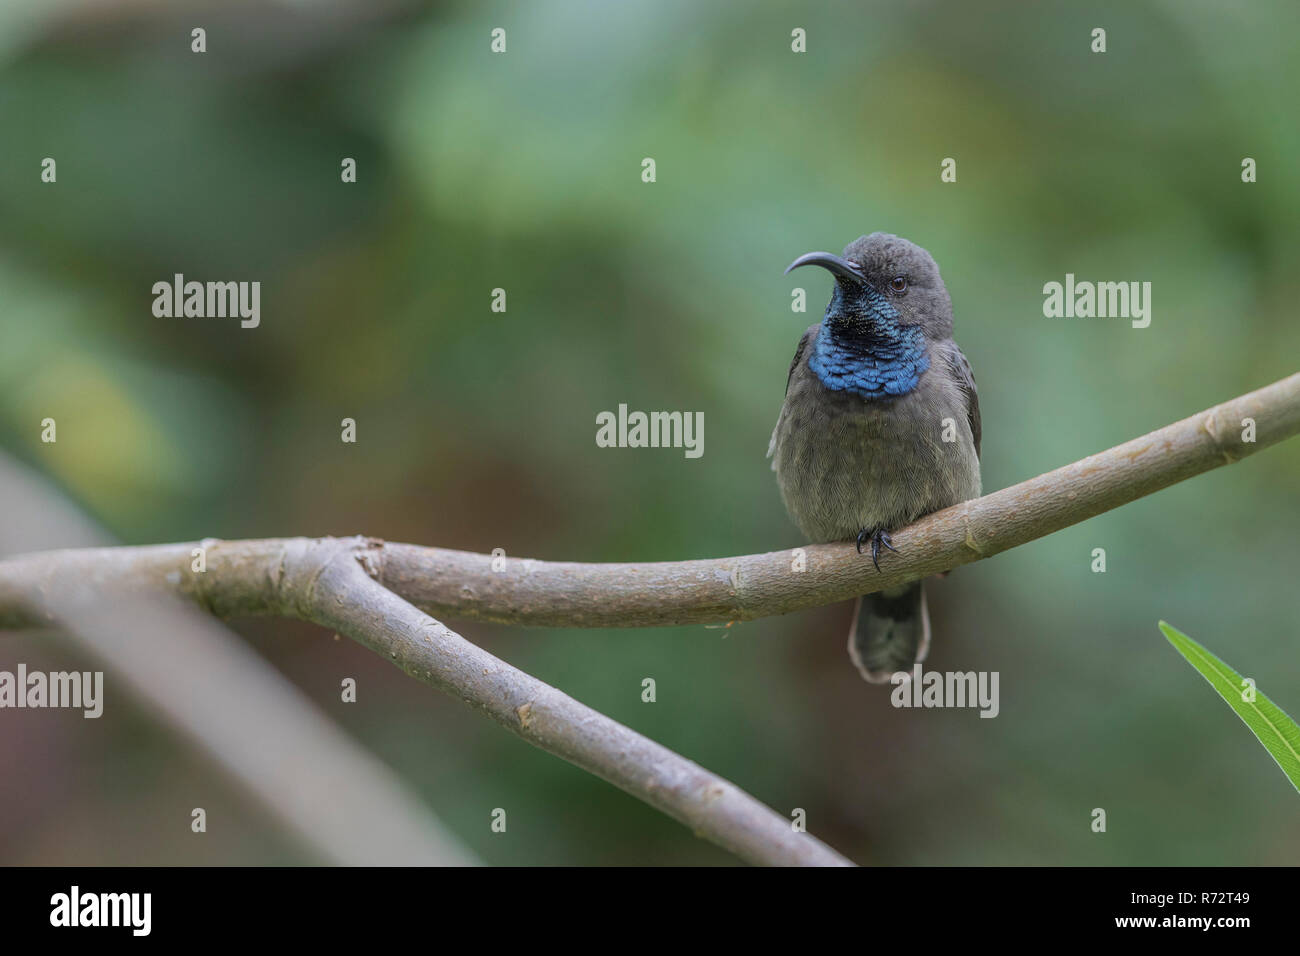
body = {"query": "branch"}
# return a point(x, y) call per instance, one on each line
point(321, 581)
point(276, 745)
point(334, 583)
point(459, 584)
point(345, 597)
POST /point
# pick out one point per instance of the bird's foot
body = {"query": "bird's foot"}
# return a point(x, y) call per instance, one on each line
point(879, 538)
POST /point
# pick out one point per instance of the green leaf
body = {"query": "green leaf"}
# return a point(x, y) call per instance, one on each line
point(1279, 734)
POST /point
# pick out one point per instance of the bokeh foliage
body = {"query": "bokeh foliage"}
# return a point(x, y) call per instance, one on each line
point(477, 429)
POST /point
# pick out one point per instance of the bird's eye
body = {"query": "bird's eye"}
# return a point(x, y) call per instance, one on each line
point(898, 284)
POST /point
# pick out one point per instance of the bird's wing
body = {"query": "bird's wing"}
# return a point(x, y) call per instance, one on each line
point(798, 353)
point(966, 382)
point(794, 364)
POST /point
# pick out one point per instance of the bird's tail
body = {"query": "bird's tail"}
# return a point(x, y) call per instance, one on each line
point(890, 632)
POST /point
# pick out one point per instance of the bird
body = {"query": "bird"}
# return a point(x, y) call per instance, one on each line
point(880, 426)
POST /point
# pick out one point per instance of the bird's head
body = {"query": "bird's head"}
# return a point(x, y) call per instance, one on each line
point(883, 285)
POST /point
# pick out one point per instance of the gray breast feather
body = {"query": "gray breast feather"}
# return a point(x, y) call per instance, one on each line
point(845, 463)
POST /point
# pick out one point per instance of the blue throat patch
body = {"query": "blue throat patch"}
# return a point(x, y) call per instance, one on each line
point(873, 359)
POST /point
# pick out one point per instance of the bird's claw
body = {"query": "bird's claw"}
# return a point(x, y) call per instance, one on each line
point(878, 538)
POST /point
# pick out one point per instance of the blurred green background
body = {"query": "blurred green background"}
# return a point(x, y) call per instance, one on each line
point(476, 429)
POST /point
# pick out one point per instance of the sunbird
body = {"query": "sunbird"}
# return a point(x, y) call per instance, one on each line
point(880, 426)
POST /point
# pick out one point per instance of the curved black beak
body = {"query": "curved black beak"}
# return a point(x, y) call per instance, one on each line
point(840, 268)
